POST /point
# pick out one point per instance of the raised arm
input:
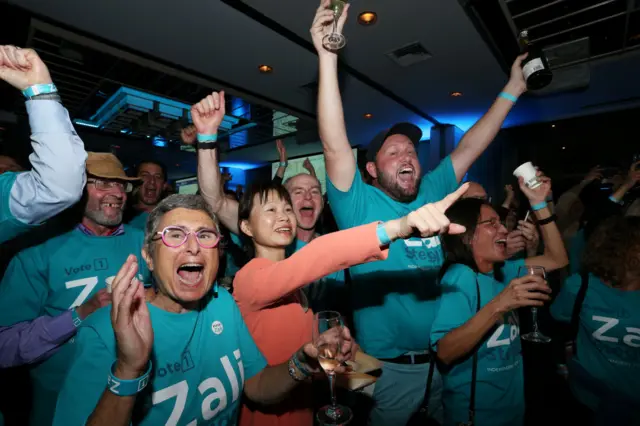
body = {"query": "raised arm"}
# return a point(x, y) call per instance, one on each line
point(478, 138)
point(282, 155)
point(555, 254)
point(207, 116)
point(262, 283)
point(58, 158)
point(339, 159)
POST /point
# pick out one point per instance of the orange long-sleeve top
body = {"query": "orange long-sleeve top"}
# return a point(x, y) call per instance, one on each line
point(269, 299)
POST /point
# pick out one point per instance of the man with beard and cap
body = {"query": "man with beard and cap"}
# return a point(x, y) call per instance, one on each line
point(154, 176)
point(395, 301)
point(48, 290)
point(306, 196)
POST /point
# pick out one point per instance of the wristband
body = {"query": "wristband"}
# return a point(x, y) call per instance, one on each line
point(549, 199)
point(284, 163)
point(207, 145)
point(75, 318)
point(299, 366)
point(548, 220)
point(508, 96)
point(207, 138)
point(127, 387)
point(613, 199)
point(295, 373)
point(539, 206)
point(39, 89)
point(382, 235)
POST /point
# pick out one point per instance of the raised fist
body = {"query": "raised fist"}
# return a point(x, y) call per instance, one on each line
point(22, 68)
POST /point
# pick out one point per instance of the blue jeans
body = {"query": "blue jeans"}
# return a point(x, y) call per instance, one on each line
point(399, 392)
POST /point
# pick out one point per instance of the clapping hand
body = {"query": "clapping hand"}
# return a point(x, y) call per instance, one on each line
point(189, 135)
point(208, 114)
point(131, 322)
point(22, 68)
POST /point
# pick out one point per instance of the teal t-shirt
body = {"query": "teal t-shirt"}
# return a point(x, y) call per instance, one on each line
point(53, 277)
point(329, 293)
point(500, 376)
point(394, 300)
point(9, 225)
point(201, 361)
point(577, 245)
point(608, 339)
point(139, 221)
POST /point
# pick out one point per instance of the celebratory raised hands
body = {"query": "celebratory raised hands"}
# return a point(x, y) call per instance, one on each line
point(131, 322)
point(209, 113)
point(539, 194)
point(22, 68)
point(323, 25)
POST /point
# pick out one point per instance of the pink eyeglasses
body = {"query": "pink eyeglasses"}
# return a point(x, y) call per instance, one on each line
point(175, 236)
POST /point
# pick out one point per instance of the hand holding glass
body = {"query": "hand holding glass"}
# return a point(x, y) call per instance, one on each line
point(328, 339)
point(534, 336)
point(335, 40)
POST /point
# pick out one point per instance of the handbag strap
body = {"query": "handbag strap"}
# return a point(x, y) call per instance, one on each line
point(474, 369)
point(577, 308)
point(425, 402)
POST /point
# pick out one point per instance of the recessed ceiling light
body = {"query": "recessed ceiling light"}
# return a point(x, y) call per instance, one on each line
point(564, 147)
point(455, 94)
point(553, 125)
point(367, 18)
point(368, 115)
point(265, 69)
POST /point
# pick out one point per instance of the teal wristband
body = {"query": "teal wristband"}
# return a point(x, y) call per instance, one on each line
point(539, 206)
point(127, 387)
point(508, 96)
point(299, 366)
point(284, 163)
point(613, 199)
point(382, 235)
point(39, 89)
point(75, 318)
point(208, 138)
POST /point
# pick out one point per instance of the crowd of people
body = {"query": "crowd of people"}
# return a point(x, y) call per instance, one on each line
point(152, 308)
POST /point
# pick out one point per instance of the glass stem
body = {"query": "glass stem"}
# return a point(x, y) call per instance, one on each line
point(332, 389)
point(534, 315)
point(335, 22)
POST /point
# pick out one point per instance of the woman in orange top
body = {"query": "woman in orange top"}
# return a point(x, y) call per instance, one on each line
point(268, 288)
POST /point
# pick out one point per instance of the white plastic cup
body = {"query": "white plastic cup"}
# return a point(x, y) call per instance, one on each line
point(528, 173)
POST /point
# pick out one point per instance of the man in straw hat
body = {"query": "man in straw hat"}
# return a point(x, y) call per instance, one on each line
point(48, 290)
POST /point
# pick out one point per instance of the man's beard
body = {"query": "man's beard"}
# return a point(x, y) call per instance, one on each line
point(391, 187)
point(101, 219)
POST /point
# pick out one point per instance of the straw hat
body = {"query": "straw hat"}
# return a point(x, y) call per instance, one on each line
point(106, 165)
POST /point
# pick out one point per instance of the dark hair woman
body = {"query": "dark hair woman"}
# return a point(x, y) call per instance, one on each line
point(605, 370)
point(476, 264)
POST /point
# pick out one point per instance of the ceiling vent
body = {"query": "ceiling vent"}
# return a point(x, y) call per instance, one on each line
point(409, 54)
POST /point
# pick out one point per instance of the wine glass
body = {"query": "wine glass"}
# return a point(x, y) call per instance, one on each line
point(327, 337)
point(335, 40)
point(535, 335)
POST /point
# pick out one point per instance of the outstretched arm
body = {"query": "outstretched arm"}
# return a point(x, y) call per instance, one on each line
point(339, 159)
point(207, 116)
point(478, 138)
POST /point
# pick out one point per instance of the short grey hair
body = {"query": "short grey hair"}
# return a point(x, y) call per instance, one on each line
point(172, 202)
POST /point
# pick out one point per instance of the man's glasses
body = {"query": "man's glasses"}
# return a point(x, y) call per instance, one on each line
point(175, 236)
point(105, 185)
point(494, 221)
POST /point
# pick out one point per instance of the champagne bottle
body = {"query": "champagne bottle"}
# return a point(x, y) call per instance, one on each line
point(535, 66)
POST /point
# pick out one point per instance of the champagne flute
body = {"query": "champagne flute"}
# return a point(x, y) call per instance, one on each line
point(534, 336)
point(327, 337)
point(335, 40)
